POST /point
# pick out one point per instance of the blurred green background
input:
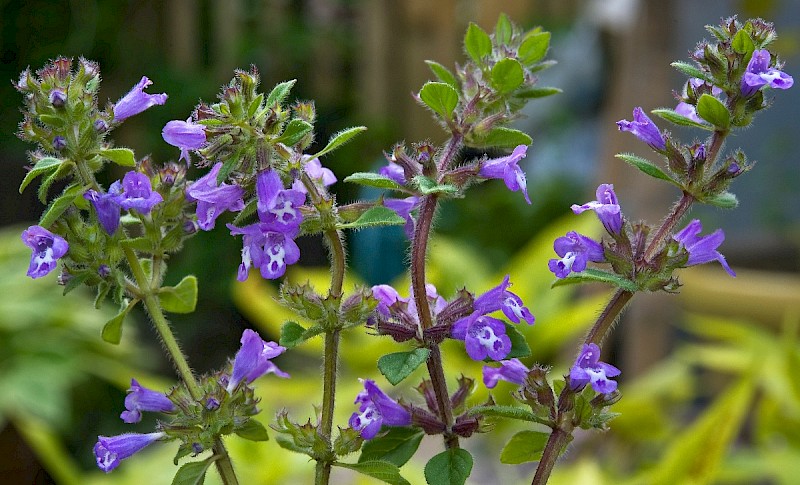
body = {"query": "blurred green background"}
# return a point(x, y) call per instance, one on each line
point(711, 392)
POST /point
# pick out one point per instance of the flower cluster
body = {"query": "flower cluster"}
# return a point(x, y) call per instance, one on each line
point(226, 400)
point(269, 244)
point(376, 409)
point(134, 192)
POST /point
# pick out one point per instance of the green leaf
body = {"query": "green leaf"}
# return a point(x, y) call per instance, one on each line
point(370, 179)
point(252, 430)
point(193, 473)
point(397, 446)
point(725, 200)
point(399, 365)
point(646, 167)
point(523, 447)
point(121, 156)
point(44, 165)
point(539, 92)
point(534, 47)
point(52, 120)
point(714, 111)
point(591, 275)
point(340, 139)
point(506, 138)
point(254, 105)
point(181, 298)
point(382, 470)
point(293, 334)
point(691, 70)
point(503, 30)
point(294, 131)
point(428, 186)
point(507, 75)
point(743, 44)
point(511, 412)
point(61, 204)
point(451, 467)
point(680, 120)
point(374, 216)
point(112, 330)
point(519, 345)
point(142, 243)
point(477, 42)
point(248, 211)
point(440, 97)
point(279, 93)
point(442, 73)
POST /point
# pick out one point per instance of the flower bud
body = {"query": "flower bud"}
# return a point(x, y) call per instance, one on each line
point(59, 143)
point(100, 125)
point(58, 98)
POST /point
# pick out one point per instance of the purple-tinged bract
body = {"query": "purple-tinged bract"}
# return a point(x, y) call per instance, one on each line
point(575, 251)
point(588, 369)
point(510, 370)
point(110, 450)
point(213, 199)
point(253, 360)
point(507, 168)
point(47, 248)
point(143, 399)
point(606, 207)
point(644, 129)
point(137, 101)
point(702, 249)
point(376, 409)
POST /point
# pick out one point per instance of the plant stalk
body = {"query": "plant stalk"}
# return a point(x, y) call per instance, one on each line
point(153, 305)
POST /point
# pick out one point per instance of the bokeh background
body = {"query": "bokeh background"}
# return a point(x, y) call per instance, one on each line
point(709, 377)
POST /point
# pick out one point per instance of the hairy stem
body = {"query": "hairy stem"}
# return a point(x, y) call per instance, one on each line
point(419, 250)
point(331, 350)
point(148, 290)
point(555, 443)
point(609, 314)
point(678, 211)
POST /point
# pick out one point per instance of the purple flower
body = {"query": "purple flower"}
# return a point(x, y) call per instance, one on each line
point(483, 337)
point(386, 296)
point(588, 369)
point(403, 208)
point(507, 168)
point(575, 250)
point(644, 129)
point(142, 399)
point(107, 206)
point(759, 74)
point(278, 209)
point(271, 252)
point(510, 370)
point(184, 135)
point(253, 360)
point(376, 409)
point(702, 249)
point(606, 207)
point(47, 248)
point(212, 199)
point(321, 176)
point(395, 172)
point(137, 193)
point(110, 450)
point(499, 298)
point(137, 101)
point(688, 110)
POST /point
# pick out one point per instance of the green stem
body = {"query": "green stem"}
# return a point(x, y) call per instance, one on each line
point(608, 316)
point(153, 305)
point(332, 336)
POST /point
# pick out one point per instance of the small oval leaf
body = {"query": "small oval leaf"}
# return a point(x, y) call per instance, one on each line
point(399, 365)
point(440, 97)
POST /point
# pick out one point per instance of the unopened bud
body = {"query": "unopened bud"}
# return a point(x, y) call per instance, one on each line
point(59, 143)
point(58, 98)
